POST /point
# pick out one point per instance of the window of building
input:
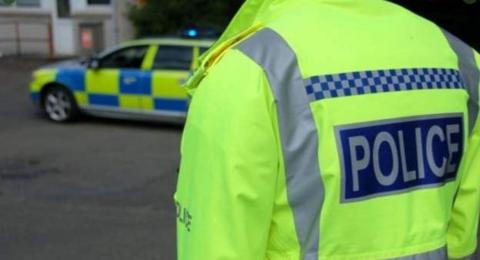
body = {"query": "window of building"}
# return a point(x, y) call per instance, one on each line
point(129, 58)
point(98, 2)
point(173, 58)
point(63, 8)
point(28, 2)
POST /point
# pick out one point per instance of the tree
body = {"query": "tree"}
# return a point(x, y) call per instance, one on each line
point(160, 17)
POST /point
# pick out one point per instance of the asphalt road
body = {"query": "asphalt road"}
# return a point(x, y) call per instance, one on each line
point(94, 189)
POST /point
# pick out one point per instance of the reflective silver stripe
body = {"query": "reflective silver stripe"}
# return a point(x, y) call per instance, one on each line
point(298, 134)
point(470, 73)
point(470, 257)
point(438, 254)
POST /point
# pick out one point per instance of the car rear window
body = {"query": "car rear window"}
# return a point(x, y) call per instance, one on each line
point(203, 49)
point(130, 57)
point(173, 58)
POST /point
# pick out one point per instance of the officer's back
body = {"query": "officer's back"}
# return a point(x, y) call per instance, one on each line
point(374, 150)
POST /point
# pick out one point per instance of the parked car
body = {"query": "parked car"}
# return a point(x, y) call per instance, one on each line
point(138, 80)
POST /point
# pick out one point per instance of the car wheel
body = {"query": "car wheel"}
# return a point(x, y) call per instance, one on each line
point(59, 105)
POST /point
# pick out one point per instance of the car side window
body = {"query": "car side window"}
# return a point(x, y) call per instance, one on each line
point(173, 58)
point(128, 58)
point(203, 50)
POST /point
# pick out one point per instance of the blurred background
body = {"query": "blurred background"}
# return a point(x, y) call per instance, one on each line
point(59, 28)
point(102, 188)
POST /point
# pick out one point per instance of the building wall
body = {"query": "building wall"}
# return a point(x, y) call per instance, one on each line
point(25, 30)
point(64, 37)
point(65, 34)
point(125, 28)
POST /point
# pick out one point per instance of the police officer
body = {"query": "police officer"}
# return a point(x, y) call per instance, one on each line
point(331, 129)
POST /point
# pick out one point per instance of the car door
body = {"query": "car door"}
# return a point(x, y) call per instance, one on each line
point(171, 68)
point(120, 81)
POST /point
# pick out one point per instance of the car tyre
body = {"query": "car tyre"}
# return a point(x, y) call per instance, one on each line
point(59, 105)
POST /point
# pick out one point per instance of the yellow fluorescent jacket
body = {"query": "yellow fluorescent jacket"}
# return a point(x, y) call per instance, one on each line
point(331, 130)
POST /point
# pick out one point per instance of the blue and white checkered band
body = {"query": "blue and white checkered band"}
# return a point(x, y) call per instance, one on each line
point(379, 81)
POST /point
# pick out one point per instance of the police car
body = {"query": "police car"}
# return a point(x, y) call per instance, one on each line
point(138, 80)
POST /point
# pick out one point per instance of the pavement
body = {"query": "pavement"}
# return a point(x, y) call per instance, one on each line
point(93, 189)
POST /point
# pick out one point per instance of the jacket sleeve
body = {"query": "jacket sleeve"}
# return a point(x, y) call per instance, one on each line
point(229, 165)
point(462, 231)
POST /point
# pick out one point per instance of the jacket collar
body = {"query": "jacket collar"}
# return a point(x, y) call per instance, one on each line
point(250, 18)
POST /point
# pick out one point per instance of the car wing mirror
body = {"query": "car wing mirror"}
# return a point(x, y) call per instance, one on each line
point(94, 64)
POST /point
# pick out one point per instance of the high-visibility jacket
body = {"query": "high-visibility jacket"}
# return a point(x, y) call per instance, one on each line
point(331, 129)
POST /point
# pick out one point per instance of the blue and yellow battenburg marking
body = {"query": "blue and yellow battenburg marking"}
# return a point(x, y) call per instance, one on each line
point(35, 96)
point(381, 158)
point(128, 89)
